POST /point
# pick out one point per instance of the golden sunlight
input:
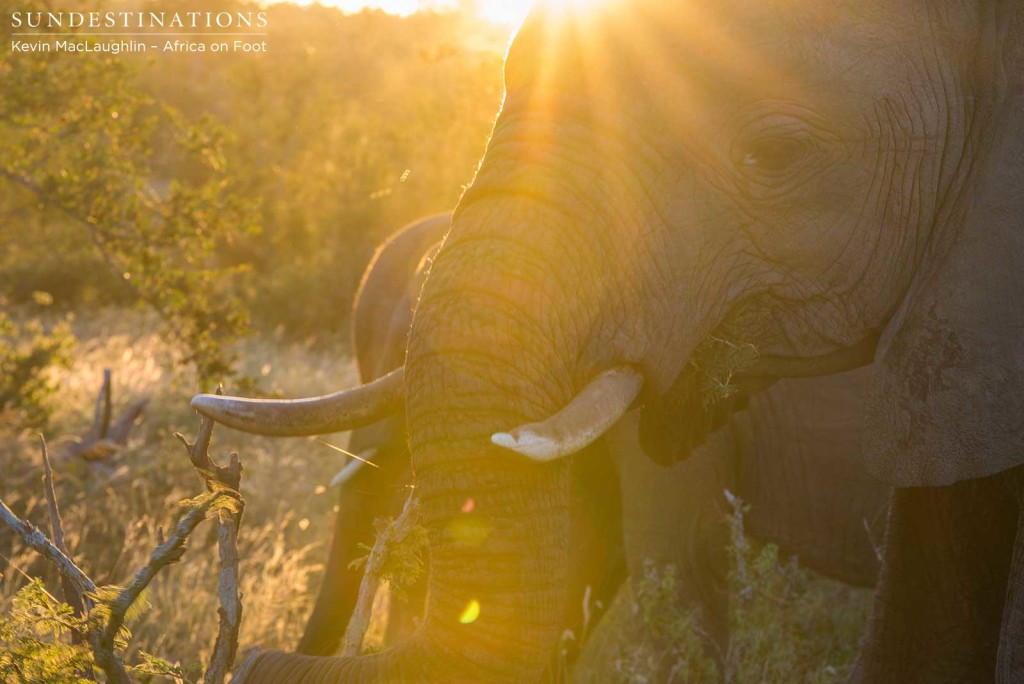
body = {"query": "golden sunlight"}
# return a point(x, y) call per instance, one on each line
point(402, 8)
point(505, 12)
point(508, 12)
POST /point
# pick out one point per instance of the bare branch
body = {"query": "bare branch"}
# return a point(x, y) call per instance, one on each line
point(56, 527)
point(217, 478)
point(106, 437)
point(230, 610)
point(165, 554)
point(101, 416)
point(38, 541)
point(739, 541)
point(213, 475)
point(72, 596)
point(360, 620)
point(122, 427)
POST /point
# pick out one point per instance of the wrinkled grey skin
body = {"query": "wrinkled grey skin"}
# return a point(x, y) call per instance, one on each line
point(830, 182)
point(794, 455)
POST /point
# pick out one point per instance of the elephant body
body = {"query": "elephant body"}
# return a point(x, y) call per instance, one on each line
point(830, 184)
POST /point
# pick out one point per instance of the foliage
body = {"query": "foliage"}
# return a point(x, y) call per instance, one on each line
point(402, 547)
point(785, 625)
point(95, 159)
point(671, 645)
point(354, 125)
point(27, 353)
point(35, 647)
point(33, 640)
point(116, 510)
point(154, 666)
point(718, 360)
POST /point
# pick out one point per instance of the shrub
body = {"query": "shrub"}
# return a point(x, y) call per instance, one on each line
point(27, 354)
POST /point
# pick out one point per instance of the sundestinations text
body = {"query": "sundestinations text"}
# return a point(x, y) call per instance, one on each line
point(138, 20)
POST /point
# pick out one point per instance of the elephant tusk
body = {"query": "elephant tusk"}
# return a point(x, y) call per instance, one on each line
point(352, 467)
point(603, 401)
point(345, 410)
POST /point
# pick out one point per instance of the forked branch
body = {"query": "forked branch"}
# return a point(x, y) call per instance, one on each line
point(221, 478)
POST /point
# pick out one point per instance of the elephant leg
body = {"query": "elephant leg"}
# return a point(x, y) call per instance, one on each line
point(597, 556)
point(940, 597)
point(339, 588)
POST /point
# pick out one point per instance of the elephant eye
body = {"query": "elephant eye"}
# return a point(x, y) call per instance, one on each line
point(772, 155)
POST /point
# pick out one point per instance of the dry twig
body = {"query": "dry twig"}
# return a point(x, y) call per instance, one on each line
point(105, 437)
point(101, 416)
point(360, 620)
point(34, 537)
point(72, 596)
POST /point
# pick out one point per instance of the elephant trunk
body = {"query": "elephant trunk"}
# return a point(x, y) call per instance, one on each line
point(494, 344)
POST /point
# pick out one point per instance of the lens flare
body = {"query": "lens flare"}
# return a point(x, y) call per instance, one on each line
point(470, 613)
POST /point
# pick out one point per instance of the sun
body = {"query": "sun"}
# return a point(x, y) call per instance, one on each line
point(506, 12)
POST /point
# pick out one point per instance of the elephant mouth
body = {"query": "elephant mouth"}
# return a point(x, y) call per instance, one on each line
point(696, 405)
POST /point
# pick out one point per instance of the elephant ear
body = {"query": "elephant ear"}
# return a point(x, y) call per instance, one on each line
point(947, 401)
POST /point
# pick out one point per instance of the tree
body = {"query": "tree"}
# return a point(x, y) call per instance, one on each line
point(84, 148)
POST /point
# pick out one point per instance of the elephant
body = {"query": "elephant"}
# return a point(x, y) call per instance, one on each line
point(793, 456)
point(830, 185)
point(381, 315)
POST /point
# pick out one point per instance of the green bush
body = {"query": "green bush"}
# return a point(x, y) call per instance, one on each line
point(27, 355)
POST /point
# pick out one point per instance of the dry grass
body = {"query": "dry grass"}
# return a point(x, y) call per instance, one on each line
point(113, 509)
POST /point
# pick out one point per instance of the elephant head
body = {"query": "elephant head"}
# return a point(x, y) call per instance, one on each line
point(665, 179)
